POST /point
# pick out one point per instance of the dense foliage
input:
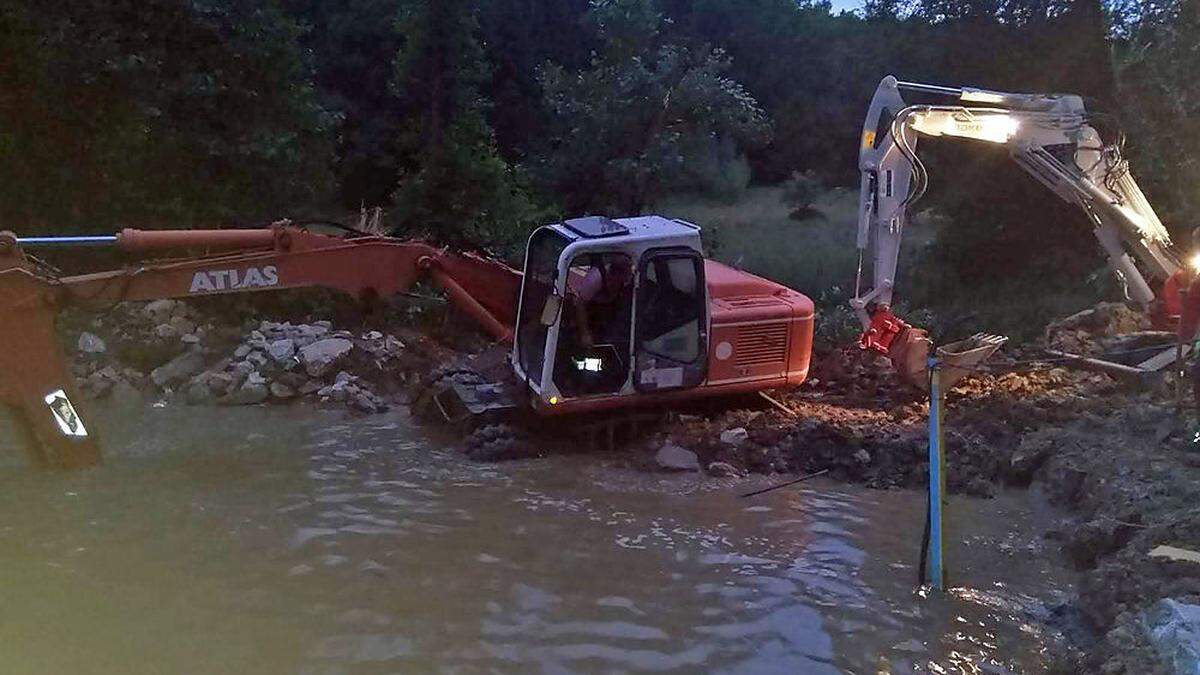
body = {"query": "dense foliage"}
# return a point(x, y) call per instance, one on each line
point(155, 112)
point(644, 116)
point(473, 119)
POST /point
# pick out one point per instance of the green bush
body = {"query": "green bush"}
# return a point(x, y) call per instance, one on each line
point(800, 193)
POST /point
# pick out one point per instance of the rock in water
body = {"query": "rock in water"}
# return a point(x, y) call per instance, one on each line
point(674, 458)
point(723, 470)
point(198, 393)
point(91, 344)
point(282, 391)
point(249, 394)
point(322, 354)
point(178, 369)
point(1174, 628)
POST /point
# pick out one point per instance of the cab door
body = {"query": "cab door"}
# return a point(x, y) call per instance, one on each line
point(593, 354)
point(671, 323)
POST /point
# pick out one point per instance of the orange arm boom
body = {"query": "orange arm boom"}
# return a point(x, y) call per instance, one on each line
point(32, 367)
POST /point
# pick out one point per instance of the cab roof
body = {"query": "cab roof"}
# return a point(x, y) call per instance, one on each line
point(640, 227)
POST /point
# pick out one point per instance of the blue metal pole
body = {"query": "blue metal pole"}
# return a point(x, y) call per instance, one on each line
point(97, 240)
point(937, 477)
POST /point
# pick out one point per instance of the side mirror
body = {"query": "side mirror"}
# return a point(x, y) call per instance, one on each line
point(551, 309)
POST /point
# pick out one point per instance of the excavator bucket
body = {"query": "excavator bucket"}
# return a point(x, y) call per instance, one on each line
point(910, 356)
point(34, 380)
point(959, 359)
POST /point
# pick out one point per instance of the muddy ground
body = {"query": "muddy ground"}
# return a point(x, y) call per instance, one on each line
point(1115, 455)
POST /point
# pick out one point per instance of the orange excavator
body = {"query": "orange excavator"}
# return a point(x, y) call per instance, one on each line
point(607, 314)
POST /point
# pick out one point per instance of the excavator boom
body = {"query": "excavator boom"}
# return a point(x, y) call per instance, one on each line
point(1050, 137)
point(35, 376)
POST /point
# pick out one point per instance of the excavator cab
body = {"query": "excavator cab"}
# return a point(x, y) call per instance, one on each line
point(611, 308)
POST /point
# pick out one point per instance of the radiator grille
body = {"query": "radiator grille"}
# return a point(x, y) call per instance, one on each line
point(761, 345)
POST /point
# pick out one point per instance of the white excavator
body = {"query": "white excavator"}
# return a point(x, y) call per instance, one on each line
point(1050, 136)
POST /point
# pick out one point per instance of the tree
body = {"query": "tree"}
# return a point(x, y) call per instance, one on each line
point(453, 184)
point(353, 45)
point(519, 36)
point(621, 129)
point(155, 113)
point(1157, 58)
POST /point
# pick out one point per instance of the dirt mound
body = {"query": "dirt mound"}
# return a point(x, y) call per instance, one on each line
point(1085, 332)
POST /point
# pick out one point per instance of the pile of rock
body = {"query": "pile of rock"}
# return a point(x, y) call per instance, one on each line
point(281, 362)
point(210, 364)
point(138, 337)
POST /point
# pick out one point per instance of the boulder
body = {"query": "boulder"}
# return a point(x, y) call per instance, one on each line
point(159, 311)
point(220, 383)
point(166, 331)
point(282, 351)
point(311, 387)
point(182, 325)
point(242, 351)
point(97, 385)
point(250, 393)
point(90, 343)
point(257, 340)
point(723, 470)
point(257, 359)
point(367, 402)
point(178, 369)
point(674, 458)
point(240, 371)
point(321, 355)
point(292, 379)
point(1174, 629)
point(199, 393)
point(282, 391)
point(735, 436)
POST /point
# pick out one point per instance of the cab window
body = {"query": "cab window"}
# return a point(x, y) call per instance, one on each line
point(594, 339)
point(541, 273)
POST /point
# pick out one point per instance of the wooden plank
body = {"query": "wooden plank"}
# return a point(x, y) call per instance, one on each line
point(777, 404)
point(1163, 359)
point(1101, 365)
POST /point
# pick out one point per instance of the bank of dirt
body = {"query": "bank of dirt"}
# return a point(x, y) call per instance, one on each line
point(1113, 455)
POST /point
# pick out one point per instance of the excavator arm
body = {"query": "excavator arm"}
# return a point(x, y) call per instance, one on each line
point(1049, 136)
point(34, 376)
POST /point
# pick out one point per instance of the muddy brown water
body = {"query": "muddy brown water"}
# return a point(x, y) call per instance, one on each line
point(272, 540)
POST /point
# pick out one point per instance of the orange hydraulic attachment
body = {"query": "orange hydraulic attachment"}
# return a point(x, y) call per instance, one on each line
point(35, 379)
point(907, 347)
